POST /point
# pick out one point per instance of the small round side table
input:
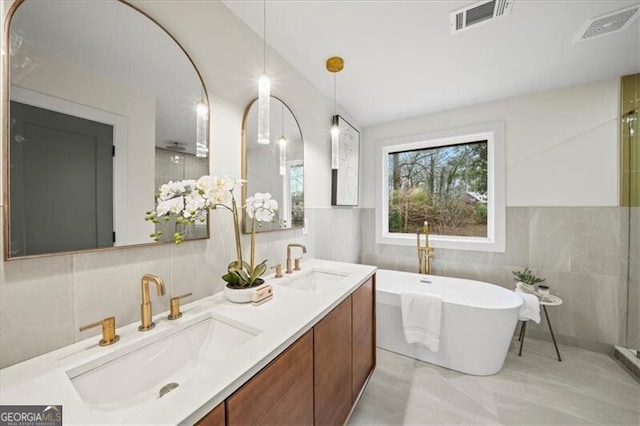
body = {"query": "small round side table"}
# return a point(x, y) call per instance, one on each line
point(548, 300)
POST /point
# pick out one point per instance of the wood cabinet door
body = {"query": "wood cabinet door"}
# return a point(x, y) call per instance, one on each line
point(215, 417)
point(280, 394)
point(332, 366)
point(364, 344)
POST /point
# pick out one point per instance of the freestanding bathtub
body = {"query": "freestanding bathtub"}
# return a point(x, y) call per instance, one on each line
point(477, 324)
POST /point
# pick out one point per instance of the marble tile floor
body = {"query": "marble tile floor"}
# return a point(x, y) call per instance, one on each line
point(535, 389)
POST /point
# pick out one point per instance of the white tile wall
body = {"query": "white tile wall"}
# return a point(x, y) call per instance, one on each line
point(36, 307)
point(44, 301)
point(581, 251)
point(550, 231)
point(44, 304)
point(104, 287)
point(337, 233)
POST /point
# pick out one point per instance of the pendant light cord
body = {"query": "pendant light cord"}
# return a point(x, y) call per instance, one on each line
point(264, 37)
point(335, 107)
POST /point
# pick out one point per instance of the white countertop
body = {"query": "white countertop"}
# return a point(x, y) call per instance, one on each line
point(276, 324)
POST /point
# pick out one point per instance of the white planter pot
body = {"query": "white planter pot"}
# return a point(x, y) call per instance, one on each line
point(239, 295)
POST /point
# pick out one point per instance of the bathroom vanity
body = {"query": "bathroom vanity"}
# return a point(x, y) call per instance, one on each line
point(302, 358)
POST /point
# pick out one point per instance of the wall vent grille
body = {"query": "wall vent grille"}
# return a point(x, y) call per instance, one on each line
point(608, 24)
point(478, 13)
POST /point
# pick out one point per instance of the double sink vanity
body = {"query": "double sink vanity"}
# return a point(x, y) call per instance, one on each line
point(302, 358)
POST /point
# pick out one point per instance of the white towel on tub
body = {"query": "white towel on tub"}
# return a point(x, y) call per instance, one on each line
point(421, 315)
point(530, 309)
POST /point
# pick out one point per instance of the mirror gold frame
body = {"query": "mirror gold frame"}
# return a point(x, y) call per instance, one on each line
point(6, 82)
point(278, 225)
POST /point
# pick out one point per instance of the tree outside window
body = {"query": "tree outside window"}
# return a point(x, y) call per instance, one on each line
point(445, 186)
point(296, 188)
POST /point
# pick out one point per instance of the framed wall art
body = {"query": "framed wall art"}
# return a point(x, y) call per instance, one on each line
point(346, 167)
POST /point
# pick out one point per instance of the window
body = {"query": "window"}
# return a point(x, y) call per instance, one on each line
point(445, 186)
point(453, 180)
point(296, 187)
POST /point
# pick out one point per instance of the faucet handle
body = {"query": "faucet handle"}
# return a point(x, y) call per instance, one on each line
point(174, 306)
point(278, 269)
point(109, 335)
point(296, 263)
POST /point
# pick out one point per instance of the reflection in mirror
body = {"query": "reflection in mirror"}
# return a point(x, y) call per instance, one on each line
point(276, 168)
point(103, 106)
point(174, 164)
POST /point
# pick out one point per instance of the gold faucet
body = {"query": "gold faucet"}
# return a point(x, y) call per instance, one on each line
point(109, 336)
point(425, 253)
point(174, 306)
point(278, 269)
point(145, 308)
point(304, 250)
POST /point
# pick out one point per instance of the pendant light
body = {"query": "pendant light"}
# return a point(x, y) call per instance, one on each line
point(335, 64)
point(264, 88)
point(282, 142)
point(202, 120)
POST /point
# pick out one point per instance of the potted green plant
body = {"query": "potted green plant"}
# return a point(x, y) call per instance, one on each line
point(528, 279)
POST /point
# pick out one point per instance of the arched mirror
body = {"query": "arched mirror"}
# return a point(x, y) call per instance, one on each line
point(277, 167)
point(103, 107)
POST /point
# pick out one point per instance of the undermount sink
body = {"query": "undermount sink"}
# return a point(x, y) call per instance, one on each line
point(314, 280)
point(150, 368)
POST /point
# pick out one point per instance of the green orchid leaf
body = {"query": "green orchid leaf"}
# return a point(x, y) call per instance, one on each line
point(258, 272)
point(242, 275)
point(230, 278)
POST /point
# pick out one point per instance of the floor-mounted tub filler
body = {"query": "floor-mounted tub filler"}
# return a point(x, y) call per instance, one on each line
point(477, 324)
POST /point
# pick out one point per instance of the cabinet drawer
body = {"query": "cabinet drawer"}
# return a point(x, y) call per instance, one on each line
point(364, 345)
point(215, 417)
point(332, 366)
point(282, 393)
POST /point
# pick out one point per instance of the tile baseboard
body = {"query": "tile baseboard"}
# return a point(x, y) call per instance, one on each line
point(628, 360)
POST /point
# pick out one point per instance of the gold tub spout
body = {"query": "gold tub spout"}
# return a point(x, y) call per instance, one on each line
point(145, 308)
point(425, 253)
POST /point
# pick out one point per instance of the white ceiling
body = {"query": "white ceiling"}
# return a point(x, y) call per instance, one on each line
point(402, 61)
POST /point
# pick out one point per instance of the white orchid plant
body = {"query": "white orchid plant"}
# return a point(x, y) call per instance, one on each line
point(188, 201)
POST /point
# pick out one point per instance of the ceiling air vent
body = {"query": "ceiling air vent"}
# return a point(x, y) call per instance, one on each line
point(478, 13)
point(608, 24)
